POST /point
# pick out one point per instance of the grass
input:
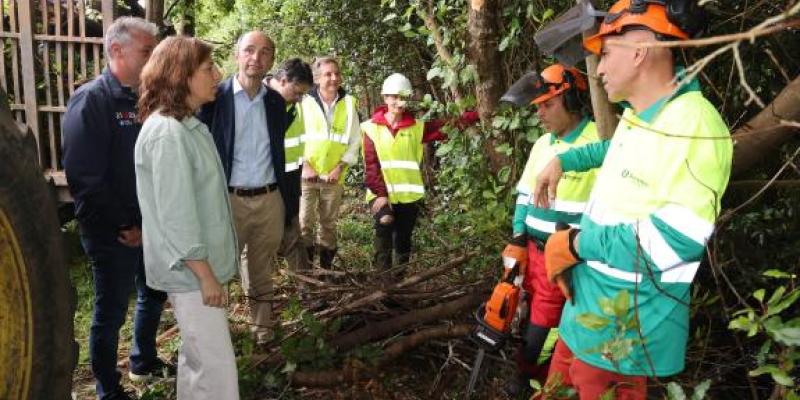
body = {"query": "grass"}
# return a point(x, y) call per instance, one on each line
point(432, 235)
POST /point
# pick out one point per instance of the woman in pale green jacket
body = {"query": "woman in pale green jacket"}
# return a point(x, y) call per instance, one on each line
point(188, 236)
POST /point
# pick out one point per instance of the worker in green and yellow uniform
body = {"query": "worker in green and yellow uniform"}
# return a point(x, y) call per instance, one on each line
point(292, 79)
point(651, 212)
point(559, 96)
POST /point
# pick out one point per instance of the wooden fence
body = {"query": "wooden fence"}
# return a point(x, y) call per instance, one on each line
point(47, 49)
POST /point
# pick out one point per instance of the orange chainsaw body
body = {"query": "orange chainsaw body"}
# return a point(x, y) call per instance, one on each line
point(502, 306)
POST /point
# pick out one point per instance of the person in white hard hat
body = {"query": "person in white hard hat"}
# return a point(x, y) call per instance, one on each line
point(393, 147)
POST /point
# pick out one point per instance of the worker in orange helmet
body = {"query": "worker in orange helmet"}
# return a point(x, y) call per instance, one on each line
point(650, 214)
point(559, 94)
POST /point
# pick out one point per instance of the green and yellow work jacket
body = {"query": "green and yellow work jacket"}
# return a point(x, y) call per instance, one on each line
point(643, 233)
point(293, 138)
point(573, 189)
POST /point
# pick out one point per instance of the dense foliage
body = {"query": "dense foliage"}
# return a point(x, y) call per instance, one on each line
point(746, 329)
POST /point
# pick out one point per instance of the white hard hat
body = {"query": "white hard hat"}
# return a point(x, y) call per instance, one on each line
point(397, 84)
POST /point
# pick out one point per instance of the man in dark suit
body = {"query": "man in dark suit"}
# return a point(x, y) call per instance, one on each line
point(248, 121)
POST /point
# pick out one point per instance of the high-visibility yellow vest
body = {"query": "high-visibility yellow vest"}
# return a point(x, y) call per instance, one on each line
point(401, 159)
point(573, 189)
point(293, 139)
point(325, 145)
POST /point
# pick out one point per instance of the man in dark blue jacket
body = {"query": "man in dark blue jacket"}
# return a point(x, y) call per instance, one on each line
point(99, 133)
point(248, 121)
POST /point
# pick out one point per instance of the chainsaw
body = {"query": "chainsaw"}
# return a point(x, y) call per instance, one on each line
point(495, 318)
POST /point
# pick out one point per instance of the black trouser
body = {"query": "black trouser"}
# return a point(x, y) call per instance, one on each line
point(396, 235)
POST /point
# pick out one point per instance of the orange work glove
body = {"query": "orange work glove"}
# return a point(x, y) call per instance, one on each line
point(559, 257)
point(515, 254)
point(515, 250)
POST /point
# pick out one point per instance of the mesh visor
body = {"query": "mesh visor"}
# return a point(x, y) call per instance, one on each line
point(525, 89)
point(562, 38)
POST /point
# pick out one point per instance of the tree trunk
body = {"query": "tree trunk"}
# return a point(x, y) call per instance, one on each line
point(484, 32)
point(602, 109)
point(768, 130)
point(154, 12)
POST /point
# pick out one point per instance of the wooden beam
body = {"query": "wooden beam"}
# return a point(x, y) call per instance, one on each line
point(28, 70)
point(107, 7)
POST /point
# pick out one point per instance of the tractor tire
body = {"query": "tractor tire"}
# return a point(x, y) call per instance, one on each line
point(37, 346)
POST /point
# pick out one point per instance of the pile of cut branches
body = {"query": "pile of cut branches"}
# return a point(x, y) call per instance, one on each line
point(331, 316)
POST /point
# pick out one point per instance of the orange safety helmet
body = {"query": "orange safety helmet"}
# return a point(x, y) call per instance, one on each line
point(648, 13)
point(558, 81)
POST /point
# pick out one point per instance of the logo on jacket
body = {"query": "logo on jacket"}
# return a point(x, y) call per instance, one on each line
point(628, 175)
point(125, 118)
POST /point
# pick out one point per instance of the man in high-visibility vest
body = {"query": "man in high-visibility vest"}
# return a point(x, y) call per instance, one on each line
point(292, 80)
point(558, 93)
point(649, 216)
point(332, 141)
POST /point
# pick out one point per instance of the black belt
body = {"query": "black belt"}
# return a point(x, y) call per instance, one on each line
point(250, 192)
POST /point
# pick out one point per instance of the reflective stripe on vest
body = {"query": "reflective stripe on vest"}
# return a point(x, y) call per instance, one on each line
point(293, 140)
point(573, 189)
point(400, 157)
point(326, 144)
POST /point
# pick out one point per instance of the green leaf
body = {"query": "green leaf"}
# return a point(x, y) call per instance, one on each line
point(607, 306)
point(776, 273)
point(547, 14)
point(675, 391)
point(787, 336)
point(759, 295)
point(776, 295)
point(764, 369)
point(701, 389)
point(499, 122)
point(593, 321)
point(289, 367)
point(741, 323)
point(504, 43)
point(785, 303)
point(622, 304)
point(782, 378)
point(503, 174)
point(504, 148)
point(433, 73)
point(607, 395)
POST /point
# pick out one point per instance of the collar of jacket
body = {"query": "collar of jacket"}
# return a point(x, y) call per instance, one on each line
point(117, 90)
point(314, 93)
point(379, 118)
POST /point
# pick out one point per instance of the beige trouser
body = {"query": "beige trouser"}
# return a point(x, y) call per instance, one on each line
point(292, 247)
point(206, 363)
point(320, 202)
point(259, 224)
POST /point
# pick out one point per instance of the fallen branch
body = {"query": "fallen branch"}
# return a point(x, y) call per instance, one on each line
point(355, 372)
point(386, 328)
point(380, 294)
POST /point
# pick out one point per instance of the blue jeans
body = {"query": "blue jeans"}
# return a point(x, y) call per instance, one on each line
point(117, 269)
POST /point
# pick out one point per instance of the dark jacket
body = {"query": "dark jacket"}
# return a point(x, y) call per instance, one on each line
point(99, 132)
point(220, 116)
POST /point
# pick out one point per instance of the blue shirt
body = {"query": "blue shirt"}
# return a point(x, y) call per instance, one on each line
point(252, 160)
